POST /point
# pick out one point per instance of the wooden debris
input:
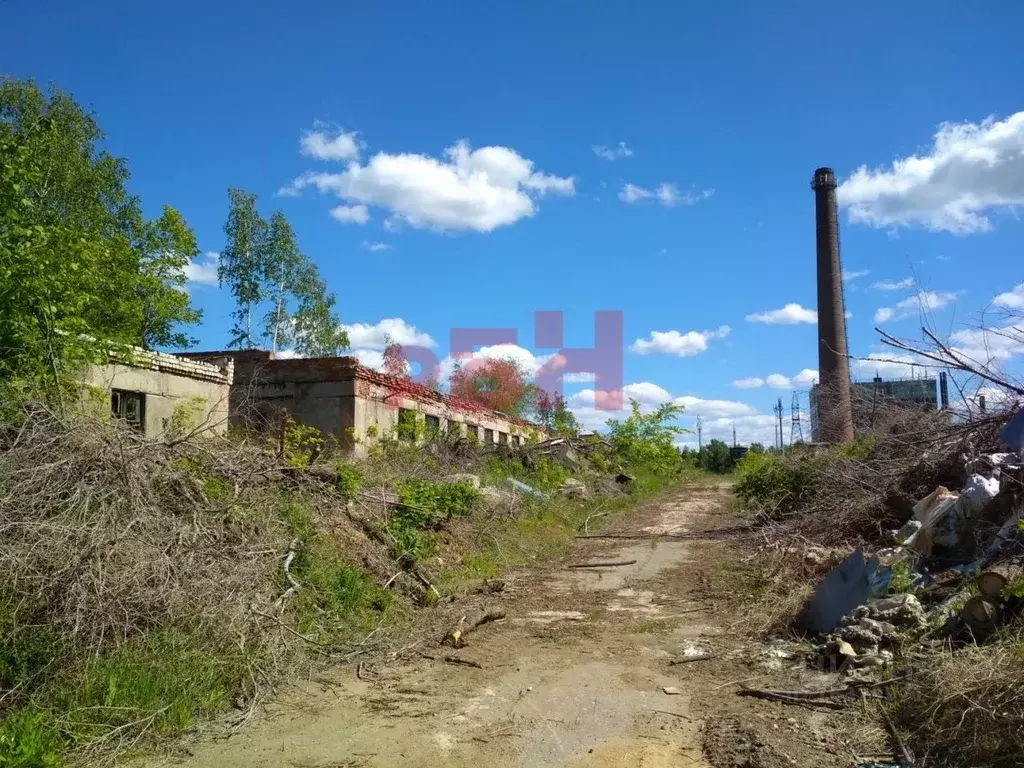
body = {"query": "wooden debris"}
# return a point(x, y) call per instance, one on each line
point(688, 659)
point(671, 690)
point(462, 662)
point(980, 614)
point(456, 636)
point(991, 583)
point(609, 564)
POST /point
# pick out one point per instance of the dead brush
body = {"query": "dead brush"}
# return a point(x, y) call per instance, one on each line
point(967, 708)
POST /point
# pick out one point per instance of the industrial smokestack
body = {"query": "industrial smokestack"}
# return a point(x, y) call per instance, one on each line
point(833, 366)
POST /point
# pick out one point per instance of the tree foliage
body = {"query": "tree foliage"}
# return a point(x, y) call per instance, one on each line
point(646, 440)
point(553, 414)
point(77, 257)
point(500, 385)
point(262, 266)
point(716, 457)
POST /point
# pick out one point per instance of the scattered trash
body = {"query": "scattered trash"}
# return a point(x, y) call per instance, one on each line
point(1013, 433)
point(523, 488)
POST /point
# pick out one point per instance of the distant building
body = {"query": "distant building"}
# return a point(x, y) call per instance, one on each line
point(871, 398)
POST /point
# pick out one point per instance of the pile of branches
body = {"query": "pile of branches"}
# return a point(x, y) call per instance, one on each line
point(860, 498)
point(106, 536)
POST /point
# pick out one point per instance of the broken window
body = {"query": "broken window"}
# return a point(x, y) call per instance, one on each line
point(488, 437)
point(130, 406)
point(502, 438)
point(433, 424)
point(472, 431)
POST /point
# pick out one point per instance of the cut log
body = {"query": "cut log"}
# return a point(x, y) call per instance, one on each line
point(980, 614)
point(456, 636)
point(991, 583)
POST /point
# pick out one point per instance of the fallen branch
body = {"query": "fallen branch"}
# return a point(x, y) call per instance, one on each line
point(609, 564)
point(456, 636)
point(293, 585)
point(688, 659)
point(454, 660)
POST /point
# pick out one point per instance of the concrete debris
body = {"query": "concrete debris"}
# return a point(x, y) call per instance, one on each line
point(560, 450)
point(575, 489)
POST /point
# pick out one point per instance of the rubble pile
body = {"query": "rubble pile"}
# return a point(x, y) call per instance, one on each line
point(956, 568)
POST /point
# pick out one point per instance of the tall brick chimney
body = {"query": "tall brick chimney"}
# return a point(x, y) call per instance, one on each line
point(833, 365)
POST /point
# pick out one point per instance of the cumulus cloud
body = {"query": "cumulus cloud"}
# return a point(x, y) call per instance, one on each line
point(665, 193)
point(751, 382)
point(613, 153)
point(1011, 299)
point(893, 285)
point(753, 428)
point(375, 337)
point(849, 275)
point(676, 343)
point(805, 378)
point(324, 144)
point(203, 269)
point(989, 345)
point(791, 314)
point(888, 366)
point(925, 301)
point(375, 246)
point(466, 189)
point(525, 360)
point(586, 404)
point(351, 214)
point(971, 170)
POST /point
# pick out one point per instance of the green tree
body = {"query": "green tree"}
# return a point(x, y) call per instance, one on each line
point(167, 246)
point(317, 329)
point(646, 440)
point(756, 448)
point(552, 413)
point(77, 258)
point(716, 457)
point(283, 271)
point(243, 263)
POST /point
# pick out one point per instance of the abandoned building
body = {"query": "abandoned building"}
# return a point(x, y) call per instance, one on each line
point(354, 404)
point(153, 390)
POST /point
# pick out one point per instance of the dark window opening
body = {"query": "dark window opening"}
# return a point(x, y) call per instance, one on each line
point(472, 432)
point(502, 438)
point(406, 424)
point(433, 424)
point(130, 406)
point(488, 437)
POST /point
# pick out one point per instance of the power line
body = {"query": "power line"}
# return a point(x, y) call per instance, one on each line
point(796, 429)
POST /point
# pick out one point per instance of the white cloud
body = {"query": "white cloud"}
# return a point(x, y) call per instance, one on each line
point(920, 303)
point(753, 428)
point(893, 285)
point(676, 343)
point(325, 144)
point(375, 246)
point(751, 382)
point(365, 336)
point(853, 275)
point(805, 378)
point(988, 345)
point(350, 214)
point(371, 358)
point(203, 270)
point(1011, 299)
point(579, 378)
point(665, 193)
point(790, 314)
point(649, 396)
point(971, 169)
point(613, 153)
point(467, 189)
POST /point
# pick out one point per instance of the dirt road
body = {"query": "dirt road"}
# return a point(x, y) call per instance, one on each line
point(575, 676)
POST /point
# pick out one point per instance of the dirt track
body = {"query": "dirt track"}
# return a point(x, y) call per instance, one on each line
point(574, 677)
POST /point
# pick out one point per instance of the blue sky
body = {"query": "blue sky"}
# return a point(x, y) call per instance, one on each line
point(700, 218)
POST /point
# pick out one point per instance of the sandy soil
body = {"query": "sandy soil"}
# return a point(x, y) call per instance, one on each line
point(575, 676)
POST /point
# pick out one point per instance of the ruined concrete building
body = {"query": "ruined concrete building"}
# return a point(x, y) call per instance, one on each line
point(354, 404)
point(153, 390)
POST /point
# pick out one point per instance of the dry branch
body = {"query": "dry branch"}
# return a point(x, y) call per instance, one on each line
point(456, 636)
point(609, 564)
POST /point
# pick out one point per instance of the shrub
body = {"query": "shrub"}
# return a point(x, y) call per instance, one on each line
point(777, 483)
point(347, 479)
point(28, 740)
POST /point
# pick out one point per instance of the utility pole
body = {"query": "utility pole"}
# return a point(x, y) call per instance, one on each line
point(734, 437)
point(700, 431)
